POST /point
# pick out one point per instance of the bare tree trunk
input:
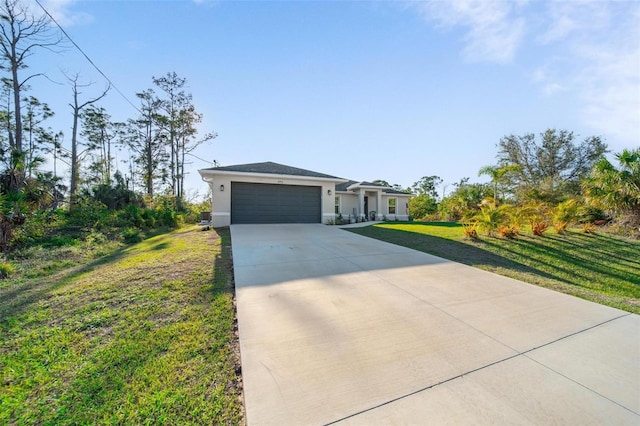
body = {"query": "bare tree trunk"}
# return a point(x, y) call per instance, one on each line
point(75, 164)
point(17, 106)
point(149, 160)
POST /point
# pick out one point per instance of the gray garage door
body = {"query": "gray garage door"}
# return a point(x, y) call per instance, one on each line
point(267, 203)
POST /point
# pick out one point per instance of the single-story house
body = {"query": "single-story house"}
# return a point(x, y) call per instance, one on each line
point(275, 193)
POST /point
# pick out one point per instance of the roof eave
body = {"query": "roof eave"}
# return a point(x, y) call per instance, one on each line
point(212, 173)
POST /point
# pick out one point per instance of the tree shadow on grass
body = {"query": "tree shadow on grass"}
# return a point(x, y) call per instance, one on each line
point(452, 250)
point(16, 298)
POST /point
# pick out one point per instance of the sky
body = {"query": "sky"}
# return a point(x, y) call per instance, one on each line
point(362, 90)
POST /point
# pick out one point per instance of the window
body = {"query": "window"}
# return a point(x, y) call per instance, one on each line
point(392, 205)
point(337, 204)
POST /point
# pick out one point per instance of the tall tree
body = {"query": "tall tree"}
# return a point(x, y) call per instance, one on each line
point(551, 166)
point(497, 175)
point(21, 34)
point(77, 108)
point(101, 134)
point(175, 101)
point(146, 141)
point(188, 141)
point(179, 120)
point(428, 185)
point(36, 135)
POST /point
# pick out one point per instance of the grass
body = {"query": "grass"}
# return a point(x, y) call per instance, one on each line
point(597, 267)
point(143, 335)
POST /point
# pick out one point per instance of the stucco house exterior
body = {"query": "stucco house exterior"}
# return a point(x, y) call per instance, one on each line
point(276, 193)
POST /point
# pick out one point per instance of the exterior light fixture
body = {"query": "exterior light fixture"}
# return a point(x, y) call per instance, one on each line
point(329, 191)
point(221, 188)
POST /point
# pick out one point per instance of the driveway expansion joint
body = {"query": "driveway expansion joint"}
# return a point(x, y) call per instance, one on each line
point(520, 354)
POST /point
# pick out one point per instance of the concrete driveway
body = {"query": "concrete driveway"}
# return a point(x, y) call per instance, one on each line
point(339, 328)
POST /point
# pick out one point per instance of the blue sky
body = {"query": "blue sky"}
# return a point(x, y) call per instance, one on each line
point(392, 90)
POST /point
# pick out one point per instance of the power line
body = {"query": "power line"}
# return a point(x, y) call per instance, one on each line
point(87, 57)
point(201, 159)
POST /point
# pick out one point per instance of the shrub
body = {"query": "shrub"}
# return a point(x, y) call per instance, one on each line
point(470, 230)
point(590, 214)
point(130, 216)
point(149, 218)
point(490, 217)
point(561, 227)
point(539, 228)
point(509, 231)
point(6, 269)
point(61, 241)
point(95, 238)
point(115, 197)
point(87, 213)
point(589, 228)
point(563, 214)
point(131, 235)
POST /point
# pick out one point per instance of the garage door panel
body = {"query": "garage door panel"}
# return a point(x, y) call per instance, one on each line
point(269, 203)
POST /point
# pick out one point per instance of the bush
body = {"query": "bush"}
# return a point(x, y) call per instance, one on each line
point(490, 217)
point(115, 197)
point(509, 231)
point(590, 214)
point(470, 230)
point(539, 228)
point(6, 269)
point(561, 227)
point(61, 241)
point(95, 238)
point(563, 214)
point(131, 235)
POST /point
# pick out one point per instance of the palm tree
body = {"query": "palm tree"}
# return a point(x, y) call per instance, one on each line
point(490, 216)
point(496, 174)
point(616, 189)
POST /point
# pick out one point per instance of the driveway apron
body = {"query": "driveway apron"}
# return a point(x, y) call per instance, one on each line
point(337, 328)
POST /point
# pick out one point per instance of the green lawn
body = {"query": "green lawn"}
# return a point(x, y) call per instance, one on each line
point(601, 268)
point(144, 335)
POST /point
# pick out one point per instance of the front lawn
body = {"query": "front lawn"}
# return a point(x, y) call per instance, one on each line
point(144, 335)
point(597, 267)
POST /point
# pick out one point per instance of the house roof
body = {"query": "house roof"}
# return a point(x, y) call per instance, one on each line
point(395, 191)
point(352, 184)
point(271, 168)
point(343, 186)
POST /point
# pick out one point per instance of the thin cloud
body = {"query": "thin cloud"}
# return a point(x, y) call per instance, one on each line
point(566, 18)
point(494, 30)
point(589, 49)
point(62, 12)
point(602, 64)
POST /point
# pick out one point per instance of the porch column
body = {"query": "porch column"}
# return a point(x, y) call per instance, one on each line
point(361, 199)
point(379, 205)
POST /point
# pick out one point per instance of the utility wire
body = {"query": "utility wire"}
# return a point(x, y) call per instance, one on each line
point(87, 57)
point(201, 159)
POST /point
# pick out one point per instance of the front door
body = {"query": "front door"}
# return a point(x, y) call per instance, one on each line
point(366, 206)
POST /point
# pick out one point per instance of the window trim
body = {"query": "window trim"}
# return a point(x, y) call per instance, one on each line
point(337, 204)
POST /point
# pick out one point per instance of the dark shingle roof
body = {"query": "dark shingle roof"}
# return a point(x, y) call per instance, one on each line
point(272, 168)
point(345, 185)
point(365, 183)
point(395, 191)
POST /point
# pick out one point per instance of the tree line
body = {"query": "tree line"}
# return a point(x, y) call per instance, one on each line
point(158, 138)
point(547, 179)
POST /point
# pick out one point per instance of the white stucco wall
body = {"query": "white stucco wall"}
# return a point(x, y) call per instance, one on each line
point(349, 201)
